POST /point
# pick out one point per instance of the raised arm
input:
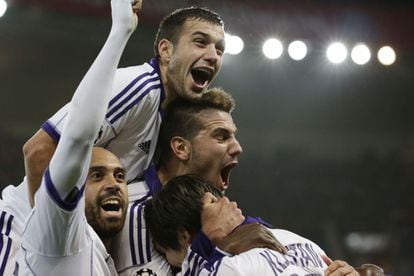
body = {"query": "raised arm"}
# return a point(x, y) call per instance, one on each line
point(88, 105)
point(39, 149)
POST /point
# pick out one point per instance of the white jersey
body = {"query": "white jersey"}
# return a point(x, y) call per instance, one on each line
point(57, 239)
point(304, 257)
point(133, 117)
point(14, 210)
point(132, 249)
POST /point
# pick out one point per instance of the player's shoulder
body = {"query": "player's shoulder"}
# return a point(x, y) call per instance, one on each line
point(136, 70)
point(288, 237)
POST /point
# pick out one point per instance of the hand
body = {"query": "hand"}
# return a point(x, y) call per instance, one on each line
point(370, 270)
point(125, 14)
point(249, 236)
point(338, 268)
point(219, 217)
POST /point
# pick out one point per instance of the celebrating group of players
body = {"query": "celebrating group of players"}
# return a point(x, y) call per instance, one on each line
point(129, 177)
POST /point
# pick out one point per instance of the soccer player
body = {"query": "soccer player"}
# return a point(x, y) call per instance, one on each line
point(173, 218)
point(57, 239)
point(196, 137)
point(188, 49)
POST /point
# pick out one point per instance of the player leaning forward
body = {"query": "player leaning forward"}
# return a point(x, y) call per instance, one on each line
point(57, 239)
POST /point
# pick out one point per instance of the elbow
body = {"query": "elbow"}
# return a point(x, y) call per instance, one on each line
point(39, 147)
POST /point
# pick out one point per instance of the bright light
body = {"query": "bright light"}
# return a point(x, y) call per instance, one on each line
point(337, 52)
point(386, 55)
point(272, 48)
point(3, 7)
point(361, 54)
point(297, 50)
point(234, 44)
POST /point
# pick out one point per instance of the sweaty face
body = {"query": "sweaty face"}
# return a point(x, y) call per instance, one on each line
point(214, 150)
point(106, 194)
point(196, 58)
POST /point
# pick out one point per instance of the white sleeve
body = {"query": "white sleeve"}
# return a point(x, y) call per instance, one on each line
point(88, 105)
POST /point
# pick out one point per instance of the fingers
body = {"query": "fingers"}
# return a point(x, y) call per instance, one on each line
point(327, 260)
point(136, 6)
point(339, 268)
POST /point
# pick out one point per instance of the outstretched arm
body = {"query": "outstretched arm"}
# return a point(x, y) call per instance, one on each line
point(88, 105)
point(39, 149)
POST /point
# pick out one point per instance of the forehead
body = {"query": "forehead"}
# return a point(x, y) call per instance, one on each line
point(212, 119)
point(104, 158)
point(193, 26)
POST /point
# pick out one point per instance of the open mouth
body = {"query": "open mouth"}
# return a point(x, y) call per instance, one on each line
point(225, 175)
point(112, 205)
point(201, 76)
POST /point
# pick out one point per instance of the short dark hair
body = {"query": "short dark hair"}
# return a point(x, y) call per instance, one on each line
point(181, 118)
point(178, 205)
point(170, 27)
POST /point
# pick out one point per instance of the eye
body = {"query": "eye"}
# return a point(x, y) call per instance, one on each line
point(96, 175)
point(120, 176)
point(200, 42)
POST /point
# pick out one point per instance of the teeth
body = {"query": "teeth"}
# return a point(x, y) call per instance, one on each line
point(111, 201)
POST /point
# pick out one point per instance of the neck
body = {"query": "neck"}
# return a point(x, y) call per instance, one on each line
point(108, 243)
point(169, 95)
point(168, 171)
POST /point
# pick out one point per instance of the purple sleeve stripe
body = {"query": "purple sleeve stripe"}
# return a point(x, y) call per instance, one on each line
point(132, 215)
point(3, 214)
point(113, 109)
point(195, 266)
point(54, 195)
point(6, 255)
point(217, 267)
point(131, 232)
point(140, 249)
point(132, 83)
point(136, 101)
point(51, 130)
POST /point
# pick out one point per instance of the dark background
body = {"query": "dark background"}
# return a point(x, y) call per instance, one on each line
point(328, 149)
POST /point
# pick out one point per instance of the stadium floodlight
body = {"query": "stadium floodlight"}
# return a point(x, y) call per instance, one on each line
point(3, 7)
point(360, 54)
point(336, 52)
point(234, 44)
point(297, 50)
point(272, 48)
point(386, 55)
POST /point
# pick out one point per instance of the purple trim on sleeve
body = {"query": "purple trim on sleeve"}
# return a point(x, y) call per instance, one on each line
point(140, 247)
point(132, 94)
point(136, 101)
point(133, 212)
point(132, 83)
point(54, 195)
point(51, 130)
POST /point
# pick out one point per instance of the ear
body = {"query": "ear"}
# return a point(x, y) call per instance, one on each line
point(181, 147)
point(165, 49)
point(184, 238)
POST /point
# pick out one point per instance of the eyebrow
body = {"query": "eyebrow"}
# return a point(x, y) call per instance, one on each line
point(103, 168)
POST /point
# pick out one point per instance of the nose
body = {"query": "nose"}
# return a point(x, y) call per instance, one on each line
point(112, 187)
point(211, 54)
point(235, 148)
